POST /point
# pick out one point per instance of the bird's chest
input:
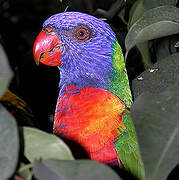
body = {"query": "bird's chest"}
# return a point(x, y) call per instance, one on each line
point(89, 116)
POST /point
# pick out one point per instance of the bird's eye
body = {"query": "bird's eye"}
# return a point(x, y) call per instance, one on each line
point(81, 34)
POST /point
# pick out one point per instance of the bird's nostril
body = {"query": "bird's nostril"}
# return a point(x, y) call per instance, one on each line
point(48, 29)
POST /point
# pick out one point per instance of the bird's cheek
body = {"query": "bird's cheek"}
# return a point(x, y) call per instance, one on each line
point(47, 49)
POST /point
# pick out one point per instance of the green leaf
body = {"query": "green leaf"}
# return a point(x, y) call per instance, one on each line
point(39, 144)
point(155, 23)
point(157, 126)
point(161, 75)
point(5, 71)
point(136, 12)
point(76, 170)
point(177, 44)
point(148, 4)
point(144, 51)
point(9, 144)
point(25, 171)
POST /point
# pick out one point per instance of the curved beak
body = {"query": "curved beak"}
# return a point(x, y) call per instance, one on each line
point(47, 49)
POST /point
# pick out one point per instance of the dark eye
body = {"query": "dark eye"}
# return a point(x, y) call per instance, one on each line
point(81, 34)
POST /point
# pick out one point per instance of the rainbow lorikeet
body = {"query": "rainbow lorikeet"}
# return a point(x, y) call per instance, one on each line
point(92, 107)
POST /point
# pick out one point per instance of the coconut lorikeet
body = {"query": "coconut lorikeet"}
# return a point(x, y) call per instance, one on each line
point(92, 107)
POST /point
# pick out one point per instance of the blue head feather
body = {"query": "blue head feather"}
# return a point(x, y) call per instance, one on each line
point(84, 63)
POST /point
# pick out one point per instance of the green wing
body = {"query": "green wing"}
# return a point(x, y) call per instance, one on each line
point(120, 83)
point(127, 148)
point(126, 144)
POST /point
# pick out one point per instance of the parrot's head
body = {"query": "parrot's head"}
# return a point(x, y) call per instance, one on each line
point(76, 42)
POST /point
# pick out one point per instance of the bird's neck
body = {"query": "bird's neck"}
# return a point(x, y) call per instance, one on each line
point(86, 80)
point(112, 77)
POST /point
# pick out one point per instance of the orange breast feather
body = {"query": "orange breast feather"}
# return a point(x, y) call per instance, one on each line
point(91, 117)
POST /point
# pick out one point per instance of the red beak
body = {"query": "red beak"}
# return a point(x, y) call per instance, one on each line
point(47, 49)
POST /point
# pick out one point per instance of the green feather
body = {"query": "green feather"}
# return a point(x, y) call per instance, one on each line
point(120, 83)
point(127, 148)
point(126, 144)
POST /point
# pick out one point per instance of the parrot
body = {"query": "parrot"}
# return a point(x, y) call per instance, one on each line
point(93, 106)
